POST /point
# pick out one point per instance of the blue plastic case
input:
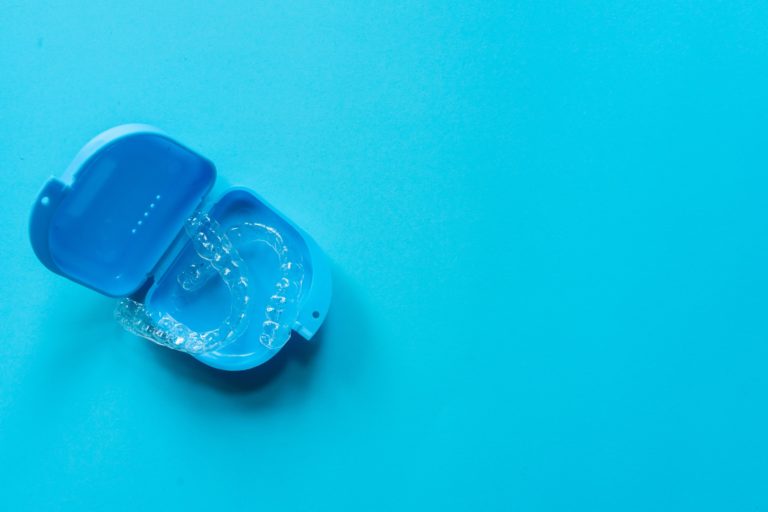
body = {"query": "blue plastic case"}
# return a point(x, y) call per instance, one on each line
point(114, 222)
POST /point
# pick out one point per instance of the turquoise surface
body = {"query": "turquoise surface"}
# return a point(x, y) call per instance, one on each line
point(548, 227)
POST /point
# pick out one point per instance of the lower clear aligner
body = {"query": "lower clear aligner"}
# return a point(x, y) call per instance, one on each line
point(218, 250)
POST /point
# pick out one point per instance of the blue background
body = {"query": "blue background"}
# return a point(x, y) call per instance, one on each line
point(548, 225)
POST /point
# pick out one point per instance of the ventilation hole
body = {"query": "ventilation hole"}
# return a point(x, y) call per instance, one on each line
point(45, 201)
point(315, 314)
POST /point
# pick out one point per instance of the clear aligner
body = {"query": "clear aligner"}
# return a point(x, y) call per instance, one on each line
point(216, 249)
point(281, 310)
point(220, 256)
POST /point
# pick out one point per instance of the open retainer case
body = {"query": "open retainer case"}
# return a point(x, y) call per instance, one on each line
point(226, 281)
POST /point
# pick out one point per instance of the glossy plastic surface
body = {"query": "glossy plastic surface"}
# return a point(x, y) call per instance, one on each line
point(107, 222)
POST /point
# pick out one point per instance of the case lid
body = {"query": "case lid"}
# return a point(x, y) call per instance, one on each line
point(107, 222)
